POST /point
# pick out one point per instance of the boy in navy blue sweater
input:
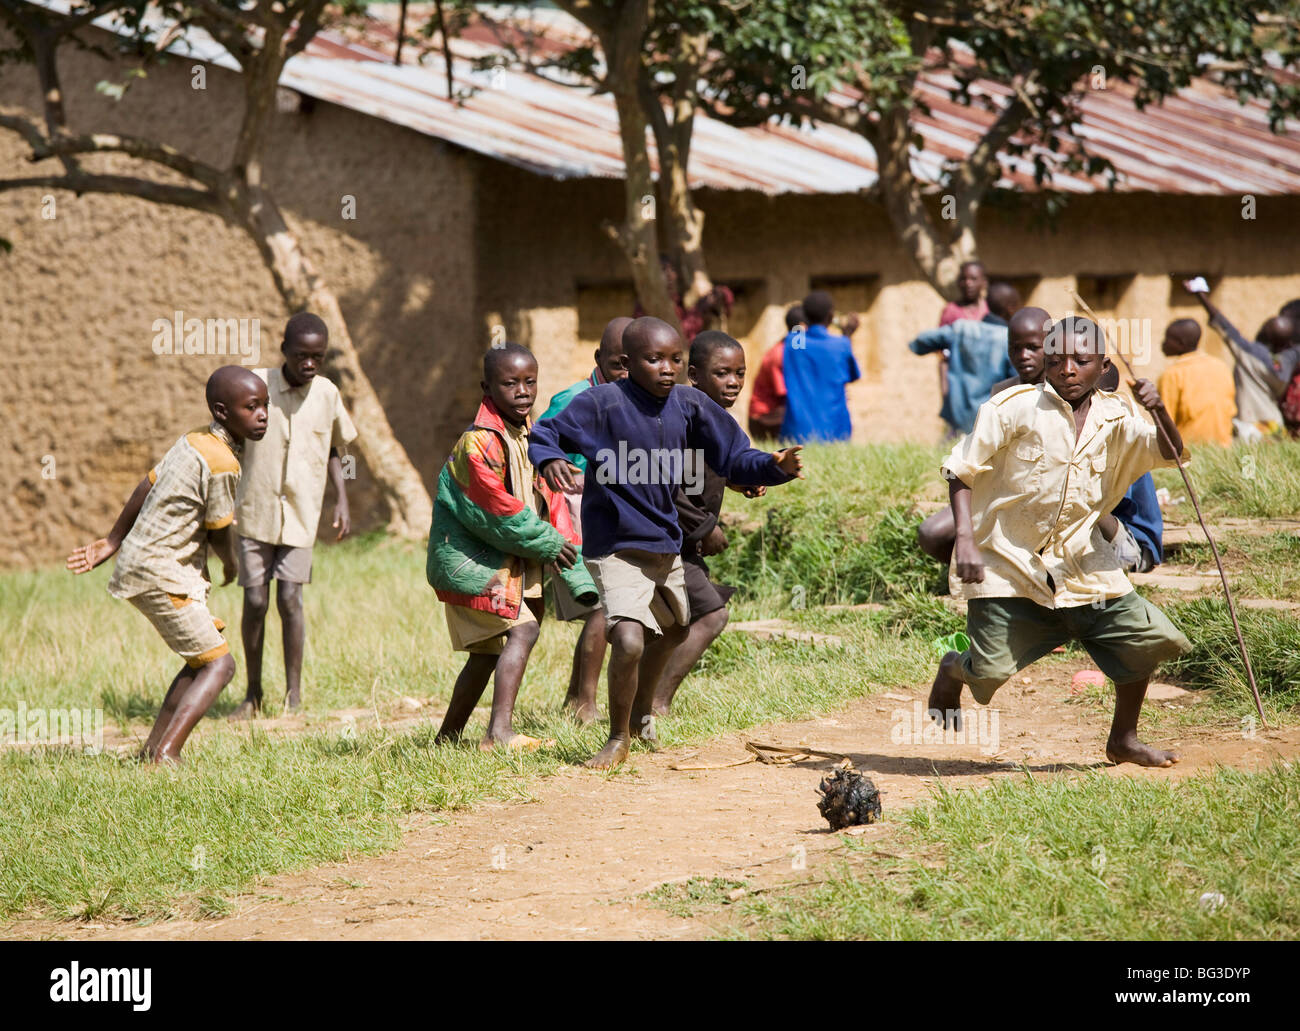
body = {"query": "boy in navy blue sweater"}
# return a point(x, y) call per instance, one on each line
point(643, 437)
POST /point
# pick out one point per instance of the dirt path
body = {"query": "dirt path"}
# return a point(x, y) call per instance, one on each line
point(574, 862)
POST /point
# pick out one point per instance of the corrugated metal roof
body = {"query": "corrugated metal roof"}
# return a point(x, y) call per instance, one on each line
point(1200, 141)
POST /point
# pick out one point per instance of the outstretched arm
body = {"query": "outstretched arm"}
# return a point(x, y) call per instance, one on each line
point(88, 556)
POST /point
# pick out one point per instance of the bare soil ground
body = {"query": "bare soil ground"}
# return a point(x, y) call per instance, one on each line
point(576, 860)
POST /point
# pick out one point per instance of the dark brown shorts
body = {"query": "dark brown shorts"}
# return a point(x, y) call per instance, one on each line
point(704, 595)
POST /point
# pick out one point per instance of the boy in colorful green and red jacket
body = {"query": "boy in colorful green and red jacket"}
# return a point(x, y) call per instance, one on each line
point(496, 524)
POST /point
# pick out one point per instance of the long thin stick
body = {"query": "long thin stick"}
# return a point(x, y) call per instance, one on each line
point(1191, 494)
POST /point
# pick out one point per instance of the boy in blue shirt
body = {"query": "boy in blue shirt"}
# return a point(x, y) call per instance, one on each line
point(817, 365)
point(643, 437)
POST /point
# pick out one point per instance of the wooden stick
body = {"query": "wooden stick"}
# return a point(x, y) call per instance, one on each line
point(1214, 548)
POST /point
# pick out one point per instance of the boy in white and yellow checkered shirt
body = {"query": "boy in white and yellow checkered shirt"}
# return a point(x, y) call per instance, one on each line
point(161, 540)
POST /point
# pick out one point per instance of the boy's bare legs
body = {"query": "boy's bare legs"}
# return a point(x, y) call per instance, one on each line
point(1123, 745)
point(469, 687)
point(189, 704)
point(584, 681)
point(179, 685)
point(937, 534)
point(702, 633)
point(252, 628)
point(627, 644)
point(650, 674)
point(509, 668)
point(288, 602)
point(509, 675)
point(944, 704)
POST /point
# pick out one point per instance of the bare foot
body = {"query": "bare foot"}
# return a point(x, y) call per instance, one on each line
point(613, 754)
point(165, 758)
point(643, 728)
point(248, 709)
point(586, 714)
point(661, 708)
point(1128, 749)
point(516, 743)
point(944, 705)
point(292, 701)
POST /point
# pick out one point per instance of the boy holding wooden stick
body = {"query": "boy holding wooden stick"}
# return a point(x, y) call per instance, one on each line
point(1028, 487)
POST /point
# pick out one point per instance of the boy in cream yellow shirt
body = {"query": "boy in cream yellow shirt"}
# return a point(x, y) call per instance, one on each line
point(1044, 463)
point(280, 497)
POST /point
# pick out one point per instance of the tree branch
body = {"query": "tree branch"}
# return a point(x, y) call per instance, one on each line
point(145, 189)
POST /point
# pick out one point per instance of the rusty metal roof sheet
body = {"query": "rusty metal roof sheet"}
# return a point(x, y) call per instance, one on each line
point(1200, 141)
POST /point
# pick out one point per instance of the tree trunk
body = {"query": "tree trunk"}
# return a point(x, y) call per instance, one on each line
point(685, 222)
point(410, 508)
point(938, 255)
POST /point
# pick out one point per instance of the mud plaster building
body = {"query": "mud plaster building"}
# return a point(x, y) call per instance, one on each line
point(467, 217)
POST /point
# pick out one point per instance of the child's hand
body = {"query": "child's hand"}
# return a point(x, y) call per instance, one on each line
point(567, 556)
point(789, 462)
point(342, 519)
point(228, 572)
point(88, 556)
point(1148, 396)
point(970, 567)
point(715, 543)
point(749, 492)
point(558, 475)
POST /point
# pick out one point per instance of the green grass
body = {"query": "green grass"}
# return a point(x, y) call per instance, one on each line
point(846, 534)
point(1260, 480)
point(1266, 566)
point(686, 898)
point(1098, 858)
point(99, 836)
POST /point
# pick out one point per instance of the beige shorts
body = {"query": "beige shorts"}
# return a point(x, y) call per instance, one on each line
point(186, 626)
point(644, 586)
point(484, 633)
point(260, 563)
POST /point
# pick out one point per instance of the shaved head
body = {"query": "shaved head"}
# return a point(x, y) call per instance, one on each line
point(647, 332)
point(611, 341)
point(1004, 300)
point(1181, 337)
point(1076, 335)
point(229, 382)
point(1030, 320)
point(1278, 332)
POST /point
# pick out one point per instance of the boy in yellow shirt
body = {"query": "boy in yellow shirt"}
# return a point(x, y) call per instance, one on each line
point(1028, 485)
point(1197, 388)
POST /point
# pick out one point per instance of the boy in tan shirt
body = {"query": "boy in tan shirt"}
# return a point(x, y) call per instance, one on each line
point(161, 542)
point(1029, 485)
point(280, 499)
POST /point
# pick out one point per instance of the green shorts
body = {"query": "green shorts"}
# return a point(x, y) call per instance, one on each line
point(1127, 638)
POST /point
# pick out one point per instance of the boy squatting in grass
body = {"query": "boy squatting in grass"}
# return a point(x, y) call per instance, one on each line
point(279, 502)
point(589, 652)
point(1028, 486)
point(495, 524)
point(717, 367)
point(161, 540)
point(632, 542)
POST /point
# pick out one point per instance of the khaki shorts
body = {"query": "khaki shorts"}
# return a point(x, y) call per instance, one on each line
point(644, 586)
point(260, 563)
point(186, 626)
point(1127, 638)
point(484, 633)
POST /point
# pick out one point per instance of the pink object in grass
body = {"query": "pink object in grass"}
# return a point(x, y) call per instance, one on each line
point(1086, 678)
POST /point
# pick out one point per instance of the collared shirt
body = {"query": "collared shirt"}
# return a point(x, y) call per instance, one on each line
point(977, 359)
point(1198, 390)
point(521, 486)
point(283, 485)
point(193, 492)
point(1037, 493)
point(817, 365)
